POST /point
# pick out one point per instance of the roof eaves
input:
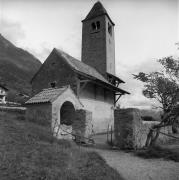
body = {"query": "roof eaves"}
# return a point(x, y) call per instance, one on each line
point(42, 102)
point(108, 84)
point(86, 19)
point(115, 77)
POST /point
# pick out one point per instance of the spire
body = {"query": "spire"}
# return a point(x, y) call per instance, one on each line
point(97, 10)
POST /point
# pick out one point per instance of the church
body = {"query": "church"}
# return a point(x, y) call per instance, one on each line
point(90, 83)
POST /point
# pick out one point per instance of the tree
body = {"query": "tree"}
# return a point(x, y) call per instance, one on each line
point(164, 87)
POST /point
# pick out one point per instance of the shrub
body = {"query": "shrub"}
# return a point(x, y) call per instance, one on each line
point(148, 118)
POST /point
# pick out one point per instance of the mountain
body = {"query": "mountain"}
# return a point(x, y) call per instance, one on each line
point(17, 67)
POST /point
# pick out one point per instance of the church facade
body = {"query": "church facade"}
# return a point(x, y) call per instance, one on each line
point(92, 79)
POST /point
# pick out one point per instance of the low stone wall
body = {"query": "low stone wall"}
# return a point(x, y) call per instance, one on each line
point(39, 113)
point(13, 109)
point(131, 131)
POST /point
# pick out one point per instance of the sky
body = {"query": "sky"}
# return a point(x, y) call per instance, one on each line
point(145, 30)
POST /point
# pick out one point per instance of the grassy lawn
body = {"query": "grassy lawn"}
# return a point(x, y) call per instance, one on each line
point(29, 152)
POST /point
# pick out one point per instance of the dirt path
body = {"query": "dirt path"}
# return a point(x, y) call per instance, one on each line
point(135, 168)
point(131, 167)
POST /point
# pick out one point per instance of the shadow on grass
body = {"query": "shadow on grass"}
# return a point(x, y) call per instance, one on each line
point(158, 152)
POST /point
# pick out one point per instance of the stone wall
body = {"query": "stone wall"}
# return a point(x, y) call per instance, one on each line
point(82, 126)
point(98, 49)
point(39, 113)
point(94, 45)
point(131, 131)
point(54, 69)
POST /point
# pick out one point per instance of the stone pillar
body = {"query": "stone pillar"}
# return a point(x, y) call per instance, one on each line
point(82, 126)
point(127, 125)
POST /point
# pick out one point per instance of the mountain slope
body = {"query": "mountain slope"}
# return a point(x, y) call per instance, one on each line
point(17, 67)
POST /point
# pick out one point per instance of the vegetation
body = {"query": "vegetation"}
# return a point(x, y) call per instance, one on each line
point(29, 151)
point(148, 118)
point(17, 68)
point(164, 87)
point(158, 152)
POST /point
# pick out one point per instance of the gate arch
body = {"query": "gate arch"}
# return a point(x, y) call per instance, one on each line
point(63, 113)
point(67, 113)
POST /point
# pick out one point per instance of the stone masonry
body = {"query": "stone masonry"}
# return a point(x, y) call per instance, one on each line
point(82, 126)
point(131, 131)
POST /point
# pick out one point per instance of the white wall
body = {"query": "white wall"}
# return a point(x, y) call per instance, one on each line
point(100, 102)
point(102, 113)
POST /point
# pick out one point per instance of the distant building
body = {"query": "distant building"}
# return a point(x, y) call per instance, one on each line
point(93, 79)
point(3, 94)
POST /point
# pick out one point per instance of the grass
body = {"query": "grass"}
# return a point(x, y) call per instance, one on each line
point(29, 152)
point(159, 152)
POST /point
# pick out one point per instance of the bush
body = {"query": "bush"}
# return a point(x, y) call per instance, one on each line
point(148, 118)
point(158, 152)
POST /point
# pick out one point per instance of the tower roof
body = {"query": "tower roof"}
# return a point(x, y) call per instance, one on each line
point(97, 10)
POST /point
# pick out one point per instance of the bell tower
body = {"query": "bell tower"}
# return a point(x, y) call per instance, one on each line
point(98, 47)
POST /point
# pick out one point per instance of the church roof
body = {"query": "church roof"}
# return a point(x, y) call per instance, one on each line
point(80, 66)
point(47, 95)
point(85, 69)
point(97, 10)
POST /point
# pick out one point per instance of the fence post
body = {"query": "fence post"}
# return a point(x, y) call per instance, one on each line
point(111, 135)
point(108, 134)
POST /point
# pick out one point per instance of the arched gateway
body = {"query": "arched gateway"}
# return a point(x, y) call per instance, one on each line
point(61, 110)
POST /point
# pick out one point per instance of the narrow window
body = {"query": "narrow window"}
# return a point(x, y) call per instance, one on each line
point(110, 29)
point(93, 25)
point(53, 84)
point(98, 25)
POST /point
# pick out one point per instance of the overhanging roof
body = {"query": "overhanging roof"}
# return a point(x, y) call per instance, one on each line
point(87, 71)
point(84, 70)
point(115, 77)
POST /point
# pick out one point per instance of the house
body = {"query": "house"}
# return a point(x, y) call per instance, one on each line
point(3, 94)
point(92, 79)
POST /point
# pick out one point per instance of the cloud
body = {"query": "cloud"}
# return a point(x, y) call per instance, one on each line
point(13, 31)
point(136, 99)
point(41, 52)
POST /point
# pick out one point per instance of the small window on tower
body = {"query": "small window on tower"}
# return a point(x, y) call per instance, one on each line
point(93, 25)
point(110, 29)
point(98, 25)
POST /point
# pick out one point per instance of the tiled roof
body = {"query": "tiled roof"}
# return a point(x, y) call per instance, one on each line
point(97, 10)
point(46, 95)
point(85, 69)
point(80, 66)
